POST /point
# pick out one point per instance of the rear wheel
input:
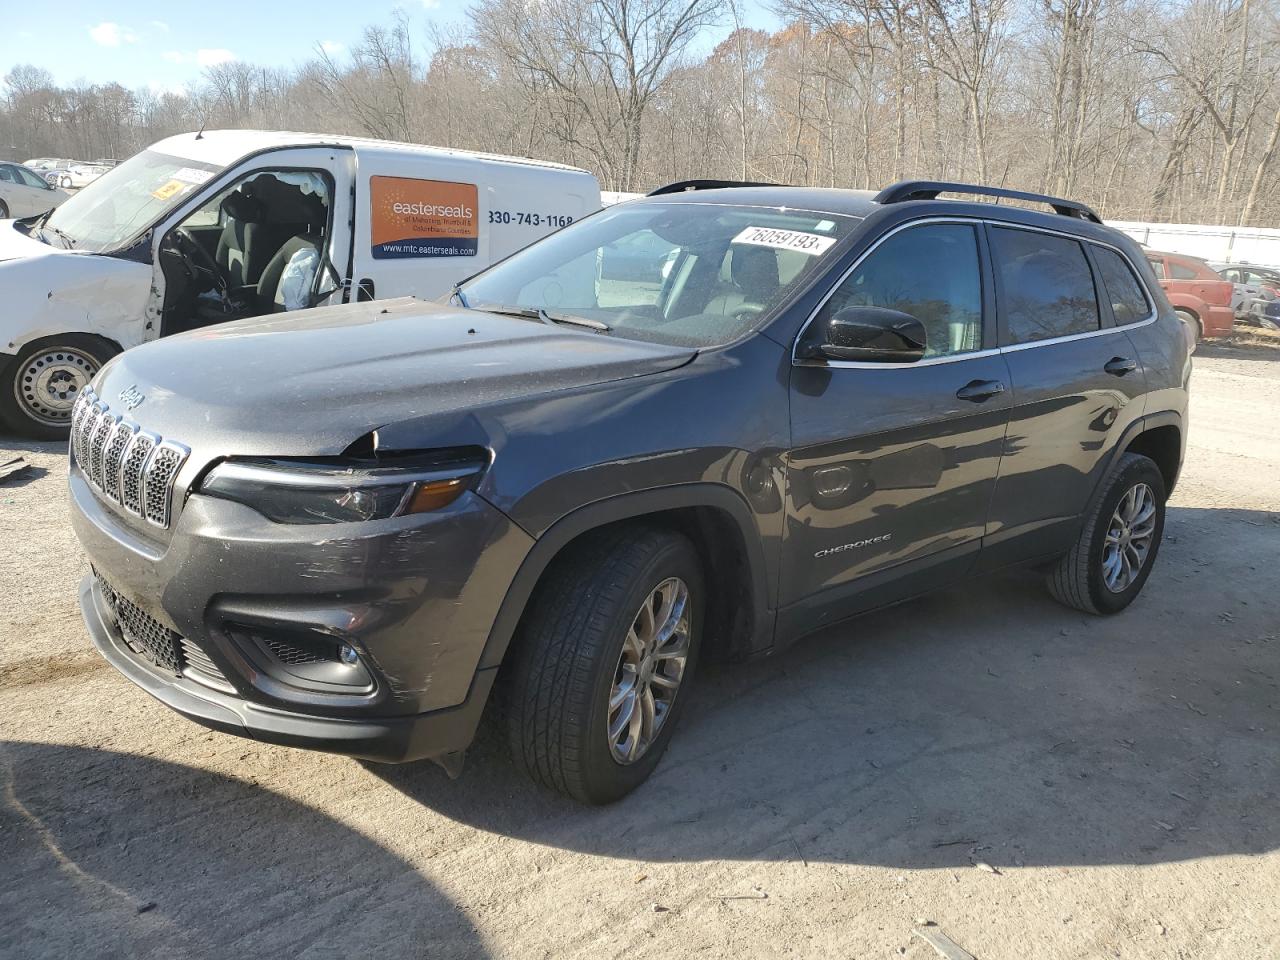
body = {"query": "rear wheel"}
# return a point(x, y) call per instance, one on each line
point(44, 380)
point(603, 662)
point(1109, 563)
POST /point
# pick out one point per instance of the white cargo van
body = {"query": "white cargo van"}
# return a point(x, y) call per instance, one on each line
point(204, 228)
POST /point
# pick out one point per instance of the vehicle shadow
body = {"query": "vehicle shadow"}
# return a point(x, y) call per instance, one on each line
point(984, 723)
point(114, 855)
point(1267, 349)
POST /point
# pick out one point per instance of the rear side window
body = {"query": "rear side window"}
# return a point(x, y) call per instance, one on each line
point(1180, 271)
point(1046, 286)
point(1124, 291)
point(1158, 267)
point(930, 272)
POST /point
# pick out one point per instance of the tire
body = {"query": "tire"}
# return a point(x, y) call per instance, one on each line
point(569, 659)
point(41, 383)
point(1081, 578)
point(1193, 320)
point(4, 210)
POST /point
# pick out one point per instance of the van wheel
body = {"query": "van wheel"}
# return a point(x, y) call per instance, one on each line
point(1193, 321)
point(44, 380)
point(1109, 563)
point(603, 661)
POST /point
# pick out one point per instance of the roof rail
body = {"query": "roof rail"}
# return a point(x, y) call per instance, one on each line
point(929, 190)
point(681, 186)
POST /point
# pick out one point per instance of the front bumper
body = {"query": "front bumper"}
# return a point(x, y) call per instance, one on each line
point(416, 597)
point(385, 739)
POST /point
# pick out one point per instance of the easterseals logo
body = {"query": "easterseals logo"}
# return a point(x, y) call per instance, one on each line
point(422, 218)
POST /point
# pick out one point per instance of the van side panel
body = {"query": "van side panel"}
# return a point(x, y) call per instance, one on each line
point(425, 219)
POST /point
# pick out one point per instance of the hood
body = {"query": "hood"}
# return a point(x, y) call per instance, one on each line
point(312, 382)
point(15, 244)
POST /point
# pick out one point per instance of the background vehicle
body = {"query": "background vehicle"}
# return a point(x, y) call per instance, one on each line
point(1197, 292)
point(1264, 281)
point(57, 173)
point(24, 193)
point(223, 225)
point(573, 491)
point(82, 174)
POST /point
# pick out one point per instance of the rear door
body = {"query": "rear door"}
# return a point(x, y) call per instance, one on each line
point(893, 465)
point(1077, 385)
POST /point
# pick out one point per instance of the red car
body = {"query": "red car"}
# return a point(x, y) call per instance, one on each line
point(1198, 293)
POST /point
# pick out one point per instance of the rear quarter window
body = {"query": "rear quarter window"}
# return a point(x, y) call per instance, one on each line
point(1046, 286)
point(1124, 291)
point(1180, 271)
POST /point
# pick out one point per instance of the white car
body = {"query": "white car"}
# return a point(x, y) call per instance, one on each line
point(83, 174)
point(24, 193)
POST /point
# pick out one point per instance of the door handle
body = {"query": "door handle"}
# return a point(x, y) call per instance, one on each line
point(979, 391)
point(1119, 366)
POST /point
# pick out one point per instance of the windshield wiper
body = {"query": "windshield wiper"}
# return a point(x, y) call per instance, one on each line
point(570, 319)
point(539, 313)
point(67, 240)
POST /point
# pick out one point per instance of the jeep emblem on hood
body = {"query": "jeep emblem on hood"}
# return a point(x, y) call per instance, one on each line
point(131, 396)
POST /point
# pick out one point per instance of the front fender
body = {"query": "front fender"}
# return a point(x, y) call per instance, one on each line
point(626, 507)
point(50, 293)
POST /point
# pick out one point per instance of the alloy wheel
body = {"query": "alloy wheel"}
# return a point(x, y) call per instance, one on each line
point(1129, 538)
point(650, 669)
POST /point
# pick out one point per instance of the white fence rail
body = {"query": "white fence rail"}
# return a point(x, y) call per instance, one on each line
point(1257, 245)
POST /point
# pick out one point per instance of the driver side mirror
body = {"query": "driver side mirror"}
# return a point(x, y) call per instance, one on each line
point(871, 335)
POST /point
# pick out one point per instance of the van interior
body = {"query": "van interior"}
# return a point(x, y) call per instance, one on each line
point(258, 247)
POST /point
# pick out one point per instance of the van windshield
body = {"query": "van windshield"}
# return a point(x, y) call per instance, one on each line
point(686, 273)
point(124, 200)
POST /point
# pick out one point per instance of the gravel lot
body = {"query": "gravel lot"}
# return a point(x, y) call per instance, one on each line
point(1037, 783)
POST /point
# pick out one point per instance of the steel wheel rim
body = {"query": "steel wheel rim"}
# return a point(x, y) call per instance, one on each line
point(650, 669)
point(48, 384)
point(1130, 536)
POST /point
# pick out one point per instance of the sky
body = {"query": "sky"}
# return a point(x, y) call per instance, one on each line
point(166, 46)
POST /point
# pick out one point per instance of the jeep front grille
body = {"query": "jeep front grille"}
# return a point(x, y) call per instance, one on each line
point(125, 464)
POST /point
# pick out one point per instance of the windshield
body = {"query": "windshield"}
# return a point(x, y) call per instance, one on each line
point(126, 199)
point(687, 274)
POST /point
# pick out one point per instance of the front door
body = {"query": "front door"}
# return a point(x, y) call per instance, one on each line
point(893, 465)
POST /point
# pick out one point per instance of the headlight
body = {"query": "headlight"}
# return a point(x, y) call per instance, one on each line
point(310, 491)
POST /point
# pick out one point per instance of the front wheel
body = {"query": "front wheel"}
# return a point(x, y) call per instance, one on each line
point(4, 210)
point(1112, 558)
point(603, 661)
point(43, 381)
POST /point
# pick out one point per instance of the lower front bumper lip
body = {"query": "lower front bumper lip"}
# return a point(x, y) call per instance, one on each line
point(383, 739)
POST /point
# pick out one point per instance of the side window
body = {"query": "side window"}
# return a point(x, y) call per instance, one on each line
point(29, 178)
point(930, 272)
point(1158, 266)
point(1180, 271)
point(1046, 286)
point(1128, 301)
point(7, 174)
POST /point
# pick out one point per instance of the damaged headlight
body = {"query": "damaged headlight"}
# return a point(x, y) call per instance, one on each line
point(311, 491)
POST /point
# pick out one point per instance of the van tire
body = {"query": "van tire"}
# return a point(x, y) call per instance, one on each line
point(74, 358)
point(568, 656)
point(1079, 579)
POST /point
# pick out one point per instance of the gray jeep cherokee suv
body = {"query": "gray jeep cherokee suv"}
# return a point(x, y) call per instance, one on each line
point(705, 422)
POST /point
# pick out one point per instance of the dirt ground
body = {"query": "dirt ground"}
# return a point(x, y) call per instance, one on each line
point(1037, 783)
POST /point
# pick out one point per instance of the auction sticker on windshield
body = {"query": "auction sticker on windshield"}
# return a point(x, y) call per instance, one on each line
point(810, 243)
point(422, 218)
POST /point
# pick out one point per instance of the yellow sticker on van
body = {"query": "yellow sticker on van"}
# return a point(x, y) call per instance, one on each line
point(422, 218)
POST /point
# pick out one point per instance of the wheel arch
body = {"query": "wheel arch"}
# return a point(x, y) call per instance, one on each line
point(1159, 436)
point(720, 524)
